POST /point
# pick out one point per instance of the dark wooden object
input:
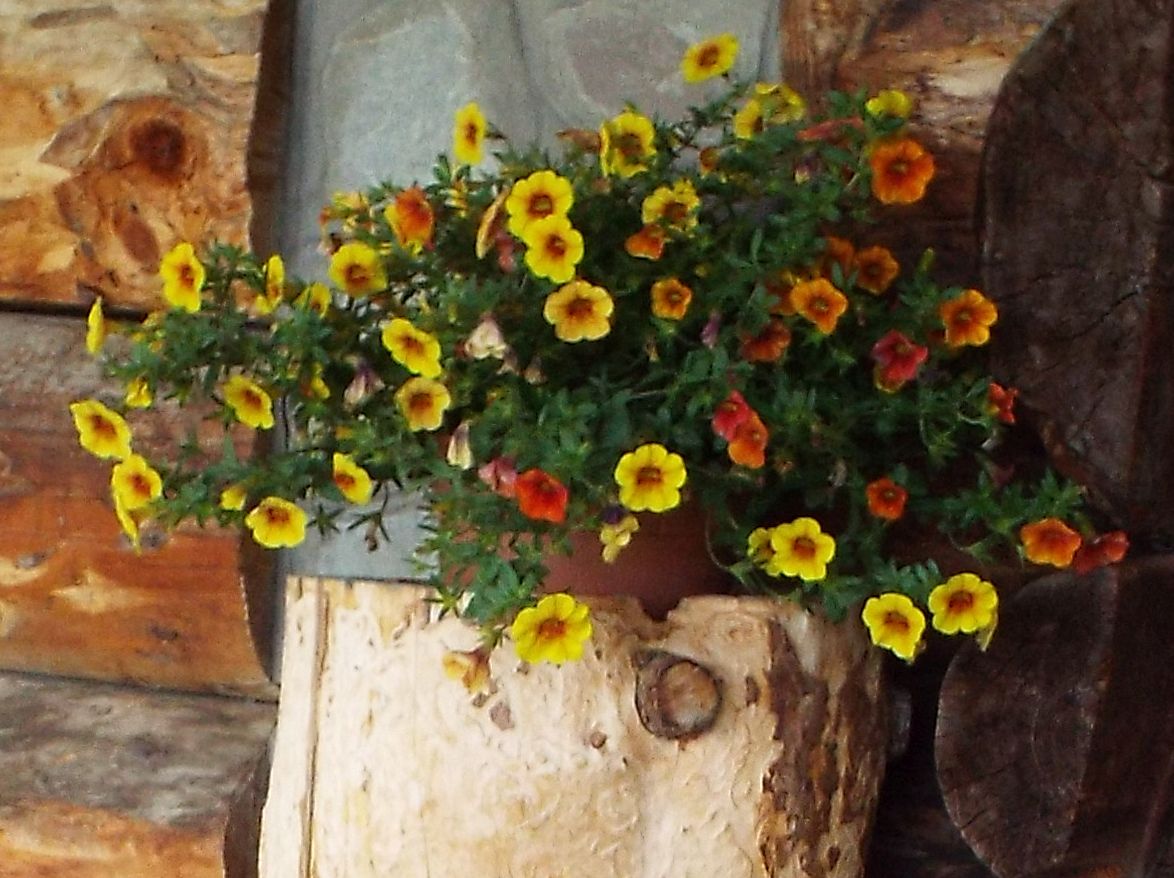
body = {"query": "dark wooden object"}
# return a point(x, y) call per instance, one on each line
point(1055, 748)
point(1079, 250)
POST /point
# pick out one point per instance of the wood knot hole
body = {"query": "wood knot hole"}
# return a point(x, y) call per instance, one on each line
point(160, 145)
point(676, 698)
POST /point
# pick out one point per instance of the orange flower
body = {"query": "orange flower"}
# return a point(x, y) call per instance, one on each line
point(886, 499)
point(901, 169)
point(837, 251)
point(769, 345)
point(648, 243)
point(410, 217)
point(541, 496)
point(1101, 550)
point(876, 269)
point(670, 298)
point(748, 445)
point(1049, 541)
point(820, 302)
point(968, 318)
point(1001, 402)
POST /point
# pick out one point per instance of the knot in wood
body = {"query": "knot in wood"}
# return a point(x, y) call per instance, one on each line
point(676, 698)
point(160, 145)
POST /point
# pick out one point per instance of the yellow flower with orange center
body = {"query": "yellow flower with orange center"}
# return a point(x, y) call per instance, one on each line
point(780, 103)
point(134, 483)
point(468, 134)
point(138, 394)
point(650, 478)
point(277, 523)
point(251, 404)
point(895, 624)
point(129, 522)
point(672, 206)
point(1049, 541)
point(268, 301)
point(890, 102)
point(626, 143)
point(423, 402)
point(800, 548)
point(315, 297)
point(95, 327)
point(901, 170)
point(964, 603)
point(233, 497)
point(749, 120)
point(352, 480)
point(579, 311)
point(670, 298)
point(968, 319)
point(534, 198)
point(819, 302)
point(101, 431)
point(414, 349)
point(553, 631)
point(759, 548)
point(411, 219)
point(357, 269)
point(490, 224)
point(471, 667)
point(183, 277)
point(709, 58)
point(876, 269)
point(553, 248)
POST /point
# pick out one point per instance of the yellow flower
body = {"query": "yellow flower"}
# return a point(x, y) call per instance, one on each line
point(749, 120)
point(554, 631)
point(248, 401)
point(415, 350)
point(626, 142)
point(616, 536)
point(675, 206)
point(468, 134)
point(351, 479)
point(277, 523)
point(357, 269)
point(670, 299)
point(800, 548)
point(233, 497)
point(129, 522)
point(138, 394)
point(315, 297)
point(274, 286)
point(553, 248)
point(709, 58)
point(579, 311)
point(101, 431)
point(780, 103)
point(963, 603)
point(890, 102)
point(183, 278)
point(95, 327)
point(423, 402)
point(895, 624)
point(134, 483)
point(542, 194)
point(650, 478)
point(471, 667)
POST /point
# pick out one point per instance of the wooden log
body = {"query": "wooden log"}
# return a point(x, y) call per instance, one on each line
point(1079, 250)
point(1055, 748)
point(193, 611)
point(127, 126)
point(100, 781)
point(385, 766)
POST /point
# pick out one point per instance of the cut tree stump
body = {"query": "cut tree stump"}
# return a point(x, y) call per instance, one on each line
point(756, 750)
point(193, 611)
point(1079, 250)
point(1055, 748)
point(100, 781)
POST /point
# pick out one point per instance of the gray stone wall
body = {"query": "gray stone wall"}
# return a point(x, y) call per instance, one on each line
point(376, 83)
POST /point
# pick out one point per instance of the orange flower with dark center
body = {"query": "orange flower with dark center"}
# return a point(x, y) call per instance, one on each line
point(1100, 551)
point(901, 169)
point(769, 345)
point(968, 319)
point(1049, 541)
point(670, 299)
point(411, 219)
point(541, 496)
point(886, 499)
point(876, 269)
point(648, 243)
point(731, 413)
point(748, 445)
point(1001, 402)
point(819, 302)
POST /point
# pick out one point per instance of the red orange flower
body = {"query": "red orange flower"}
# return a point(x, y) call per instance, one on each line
point(1100, 551)
point(820, 302)
point(1049, 541)
point(901, 169)
point(748, 444)
point(898, 360)
point(769, 345)
point(876, 269)
point(968, 318)
point(411, 219)
point(1001, 402)
point(541, 496)
point(731, 413)
point(648, 243)
point(886, 499)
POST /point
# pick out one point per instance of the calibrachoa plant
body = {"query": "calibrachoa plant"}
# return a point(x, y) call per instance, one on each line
point(659, 312)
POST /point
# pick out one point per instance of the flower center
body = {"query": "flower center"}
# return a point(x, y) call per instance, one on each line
point(186, 276)
point(345, 481)
point(251, 399)
point(555, 247)
point(708, 57)
point(963, 316)
point(356, 275)
point(140, 485)
point(276, 516)
point(896, 621)
point(649, 475)
point(541, 205)
point(420, 402)
point(628, 145)
point(579, 308)
point(103, 427)
point(676, 211)
point(471, 133)
point(552, 629)
point(804, 547)
point(961, 601)
point(819, 305)
point(898, 167)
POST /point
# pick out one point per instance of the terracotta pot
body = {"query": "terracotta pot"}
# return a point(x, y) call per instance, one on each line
point(666, 560)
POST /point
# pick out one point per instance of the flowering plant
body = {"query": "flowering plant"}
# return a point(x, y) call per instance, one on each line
point(660, 312)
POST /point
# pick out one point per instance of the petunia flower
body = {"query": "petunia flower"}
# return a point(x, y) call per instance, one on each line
point(542, 194)
point(901, 170)
point(500, 476)
point(626, 143)
point(895, 624)
point(1001, 402)
point(876, 269)
point(579, 311)
point(423, 402)
point(101, 430)
point(471, 667)
point(553, 248)
point(249, 402)
point(352, 480)
point(130, 523)
point(731, 413)
point(234, 497)
point(490, 224)
point(134, 483)
point(1049, 541)
point(268, 301)
point(749, 120)
point(1100, 551)
point(277, 523)
point(769, 345)
point(968, 318)
point(670, 299)
point(138, 394)
point(315, 297)
point(411, 219)
point(898, 360)
point(747, 446)
point(468, 134)
point(357, 269)
point(759, 548)
point(541, 496)
point(780, 103)
point(819, 302)
point(553, 631)
point(650, 478)
point(486, 340)
point(183, 277)
point(673, 206)
point(801, 549)
point(886, 499)
point(414, 349)
point(459, 452)
point(890, 102)
point(616, 535)
point(95, 327)
point(963, 603)
point(648, 243)
point(709, 58)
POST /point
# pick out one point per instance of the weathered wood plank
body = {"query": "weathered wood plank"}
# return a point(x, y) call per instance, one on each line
point(193, 611)
point(384, 766)
point(99, 781)
point(127, 127)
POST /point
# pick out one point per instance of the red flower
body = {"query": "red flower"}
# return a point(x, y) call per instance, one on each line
point(541, 496)
point(769, 345)
point(898, 359)
point(1101, 550)
point(886, 499)
point(731, 414)
point(1001, 402)
point(748, 445)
